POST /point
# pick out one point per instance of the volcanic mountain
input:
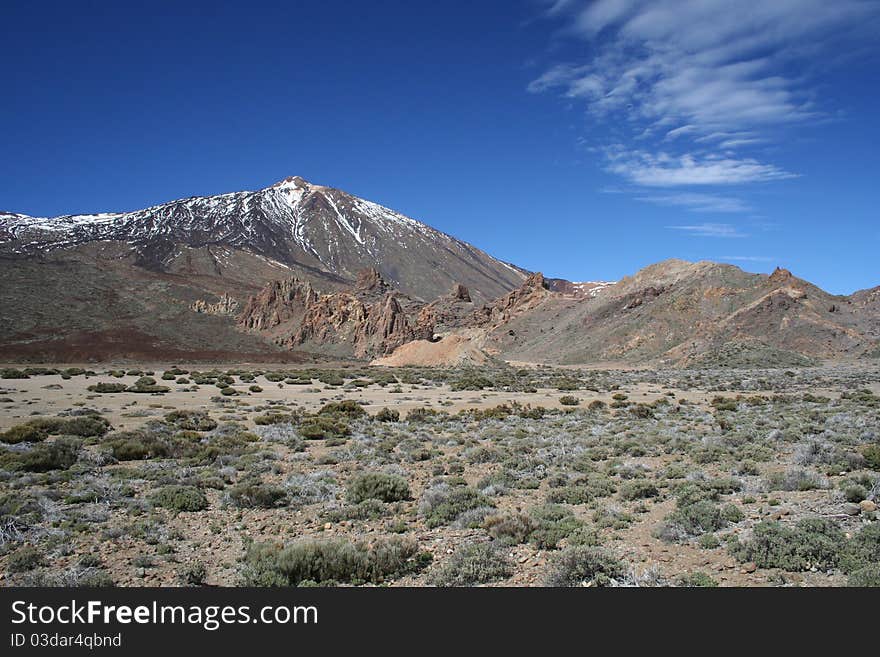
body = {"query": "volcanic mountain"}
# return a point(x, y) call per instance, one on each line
point(688, 313)
point(169, 278)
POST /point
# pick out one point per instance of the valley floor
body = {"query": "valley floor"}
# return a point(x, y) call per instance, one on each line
point(518, 476)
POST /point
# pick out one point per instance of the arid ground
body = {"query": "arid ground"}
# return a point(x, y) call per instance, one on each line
point(160, 474)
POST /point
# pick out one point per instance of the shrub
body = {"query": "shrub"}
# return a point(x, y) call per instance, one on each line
point(378, 486)
point(23, 433)
point(180, 498)
point(388, 415)
point(862, 550)
point(193, 574)
point(312, 487)
point(348, 408)
point(147, 384)
point(477, 563)
point(256, 495)
point(697, 579)
point(867, 576)
point(273, 417)
point(568, 400)
point(137, 445)
point(638, 489)
point(24, 559)
point(105, 388)
point(510, 527)
point(552, 524)
point(85, 426)
point(441, 505)
point(795, 479)
point(329, 561)
point(691, 520)
point(810, 542)
point(584, 565)
point(320, 428)
point(872, 456)
point(58, 455)
point(191, 420)
point(12, 373)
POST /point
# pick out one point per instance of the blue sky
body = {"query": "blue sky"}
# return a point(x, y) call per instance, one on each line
point(582, 139)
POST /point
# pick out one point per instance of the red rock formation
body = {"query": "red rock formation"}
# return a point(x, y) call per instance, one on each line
point(366, 321)
point(532, 291)
point(278, 302)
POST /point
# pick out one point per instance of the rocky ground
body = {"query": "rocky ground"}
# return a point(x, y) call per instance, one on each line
point(498, 475)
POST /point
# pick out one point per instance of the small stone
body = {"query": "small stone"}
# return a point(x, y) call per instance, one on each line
point(328, 525)
point(750, 567)
point(852, 509)
point(868, 506)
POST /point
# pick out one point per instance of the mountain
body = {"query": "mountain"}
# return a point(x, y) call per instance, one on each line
point(325, 233)
point(684, 313)
point(171, 278)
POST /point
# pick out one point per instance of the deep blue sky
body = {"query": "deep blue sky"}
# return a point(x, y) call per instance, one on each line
point(582, 139)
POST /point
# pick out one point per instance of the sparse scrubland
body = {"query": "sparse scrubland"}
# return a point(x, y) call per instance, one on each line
point(413, 476)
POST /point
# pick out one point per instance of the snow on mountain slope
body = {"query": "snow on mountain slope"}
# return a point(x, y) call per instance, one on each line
point(292, 222)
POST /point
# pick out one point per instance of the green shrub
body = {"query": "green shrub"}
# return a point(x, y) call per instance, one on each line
point(23, 433)
point(348, 408)
point(256, 495)
point(862, 550)
point(105, 388)
point(691, 520)
point(274, 417)
point(378, 486)
point(191, 420)
point(147, 384)
point(85, 426)
point(320, 428)
point(811, 542)
point(697, 579)
point(584, 565)
point(867, 576)
point(552, 524)
point(12, 373)
point(477, 563)
point(330, 561)
point(388, 415)
point(57, 455)
point(441, 507)
point(872, 456)
point(180, 498)
point(24, 559)
point(638, 489)
point(568, 400)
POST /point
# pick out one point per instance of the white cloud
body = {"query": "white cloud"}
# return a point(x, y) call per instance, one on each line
point(701, 75)
point(664, 170)
point(699, 202)
point(747, 258)
point(710, 230)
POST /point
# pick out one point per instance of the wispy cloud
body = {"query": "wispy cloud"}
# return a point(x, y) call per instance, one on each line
point(698, 202)
point(664, 170)
point(710, 230)
point(747, 258)
point(702, 78)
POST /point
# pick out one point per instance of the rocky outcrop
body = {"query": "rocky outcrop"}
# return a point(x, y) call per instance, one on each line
point(371, 281)
point(533, 290)
point(225, 306)
point(277, 303)
point(366, 321)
